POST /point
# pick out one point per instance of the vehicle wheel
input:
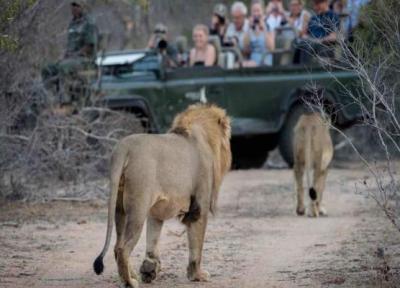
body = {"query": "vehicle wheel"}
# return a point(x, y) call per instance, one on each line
point(286, 135)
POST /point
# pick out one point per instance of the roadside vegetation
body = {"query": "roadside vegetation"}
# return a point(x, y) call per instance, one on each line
point(374, 56)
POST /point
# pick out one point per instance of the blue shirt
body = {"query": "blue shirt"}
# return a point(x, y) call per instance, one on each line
point(322, 25)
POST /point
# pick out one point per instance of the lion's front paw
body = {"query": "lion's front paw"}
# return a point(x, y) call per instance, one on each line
point(200, 276)
point(149, 270)
point(300, 211)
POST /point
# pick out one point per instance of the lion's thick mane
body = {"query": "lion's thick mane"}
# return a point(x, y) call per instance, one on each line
point(215, 126)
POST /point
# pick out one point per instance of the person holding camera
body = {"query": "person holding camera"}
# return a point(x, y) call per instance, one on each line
point(259, 41)
point(276, 17)
point(219, 22)
point(159, 42)
point(239, 26)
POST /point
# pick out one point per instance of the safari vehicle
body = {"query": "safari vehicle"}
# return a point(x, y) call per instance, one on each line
point(264, 103)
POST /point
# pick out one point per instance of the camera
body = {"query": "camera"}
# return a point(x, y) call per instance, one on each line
point(256, 22)
point(162, 44)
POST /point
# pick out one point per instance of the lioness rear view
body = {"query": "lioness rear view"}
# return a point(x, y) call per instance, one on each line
point(313, 150)
point(159, 177)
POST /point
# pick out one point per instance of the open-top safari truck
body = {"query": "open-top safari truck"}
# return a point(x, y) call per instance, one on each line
point(263, 102)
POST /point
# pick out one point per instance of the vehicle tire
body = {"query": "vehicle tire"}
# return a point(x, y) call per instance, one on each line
point(286, 135)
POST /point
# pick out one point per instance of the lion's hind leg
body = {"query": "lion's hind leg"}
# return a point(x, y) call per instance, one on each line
point(320, 180)
point(120, 216)
point(135, 218)
point(151, 265)
point(196, 232)
point(299, 172)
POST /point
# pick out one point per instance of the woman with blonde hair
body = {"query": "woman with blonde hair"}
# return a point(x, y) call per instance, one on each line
point(258, 41)
point(203, 53)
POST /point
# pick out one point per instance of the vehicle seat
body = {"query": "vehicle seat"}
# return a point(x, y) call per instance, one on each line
point(284, 38)
point(232, 57)
point(181, 45)
point(216, 42)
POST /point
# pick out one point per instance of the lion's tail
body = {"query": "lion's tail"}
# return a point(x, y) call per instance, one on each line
point(309, 162)
point(118, 162)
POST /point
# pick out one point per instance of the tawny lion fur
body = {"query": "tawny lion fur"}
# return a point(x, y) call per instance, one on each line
point(313, 150)
point(158, 177)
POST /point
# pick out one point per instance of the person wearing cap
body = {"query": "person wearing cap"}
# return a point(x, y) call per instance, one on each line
point(324, 24)
point(320, 35)
point(159, 42)
point(81, 46)
point(239, 26)
point(219, 22)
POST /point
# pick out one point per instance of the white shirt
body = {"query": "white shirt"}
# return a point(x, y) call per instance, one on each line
point(273, 22)
point(231, 32)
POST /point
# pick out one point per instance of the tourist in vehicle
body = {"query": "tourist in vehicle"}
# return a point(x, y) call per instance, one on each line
point(298, 17)
point(258, 41)
point(203, 53)
point(219, 22)
point(276, 17)
point(240, 25)
point(320, 35)
point(159, 41)
point(324, 25)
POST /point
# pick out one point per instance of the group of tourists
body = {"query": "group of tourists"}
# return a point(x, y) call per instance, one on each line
point(251, 31)
point(254, 32)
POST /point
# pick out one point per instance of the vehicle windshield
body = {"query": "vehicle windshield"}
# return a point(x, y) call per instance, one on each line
point(128, 64)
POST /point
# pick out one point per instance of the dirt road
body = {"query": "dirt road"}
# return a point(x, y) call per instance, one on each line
point(256, 240)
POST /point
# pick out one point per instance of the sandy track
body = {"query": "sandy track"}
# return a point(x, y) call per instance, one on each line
point(255, 241)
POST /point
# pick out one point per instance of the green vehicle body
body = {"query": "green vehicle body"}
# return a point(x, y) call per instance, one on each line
point(260, 100)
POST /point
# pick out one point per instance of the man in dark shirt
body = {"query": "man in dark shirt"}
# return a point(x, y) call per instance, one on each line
point(319, 35)
point(323, 26)
point(81, 47)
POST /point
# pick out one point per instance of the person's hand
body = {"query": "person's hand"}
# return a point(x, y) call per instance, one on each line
point(260, 26)
point(280, 7)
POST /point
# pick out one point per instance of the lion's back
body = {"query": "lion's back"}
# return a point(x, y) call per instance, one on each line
point(165, 160)
point(321, 142)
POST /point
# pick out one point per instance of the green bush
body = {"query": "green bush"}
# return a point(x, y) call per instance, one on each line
point(377, 37)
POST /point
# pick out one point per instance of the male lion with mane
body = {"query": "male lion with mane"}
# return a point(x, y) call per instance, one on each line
point(158, 177)
point(313, 150)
